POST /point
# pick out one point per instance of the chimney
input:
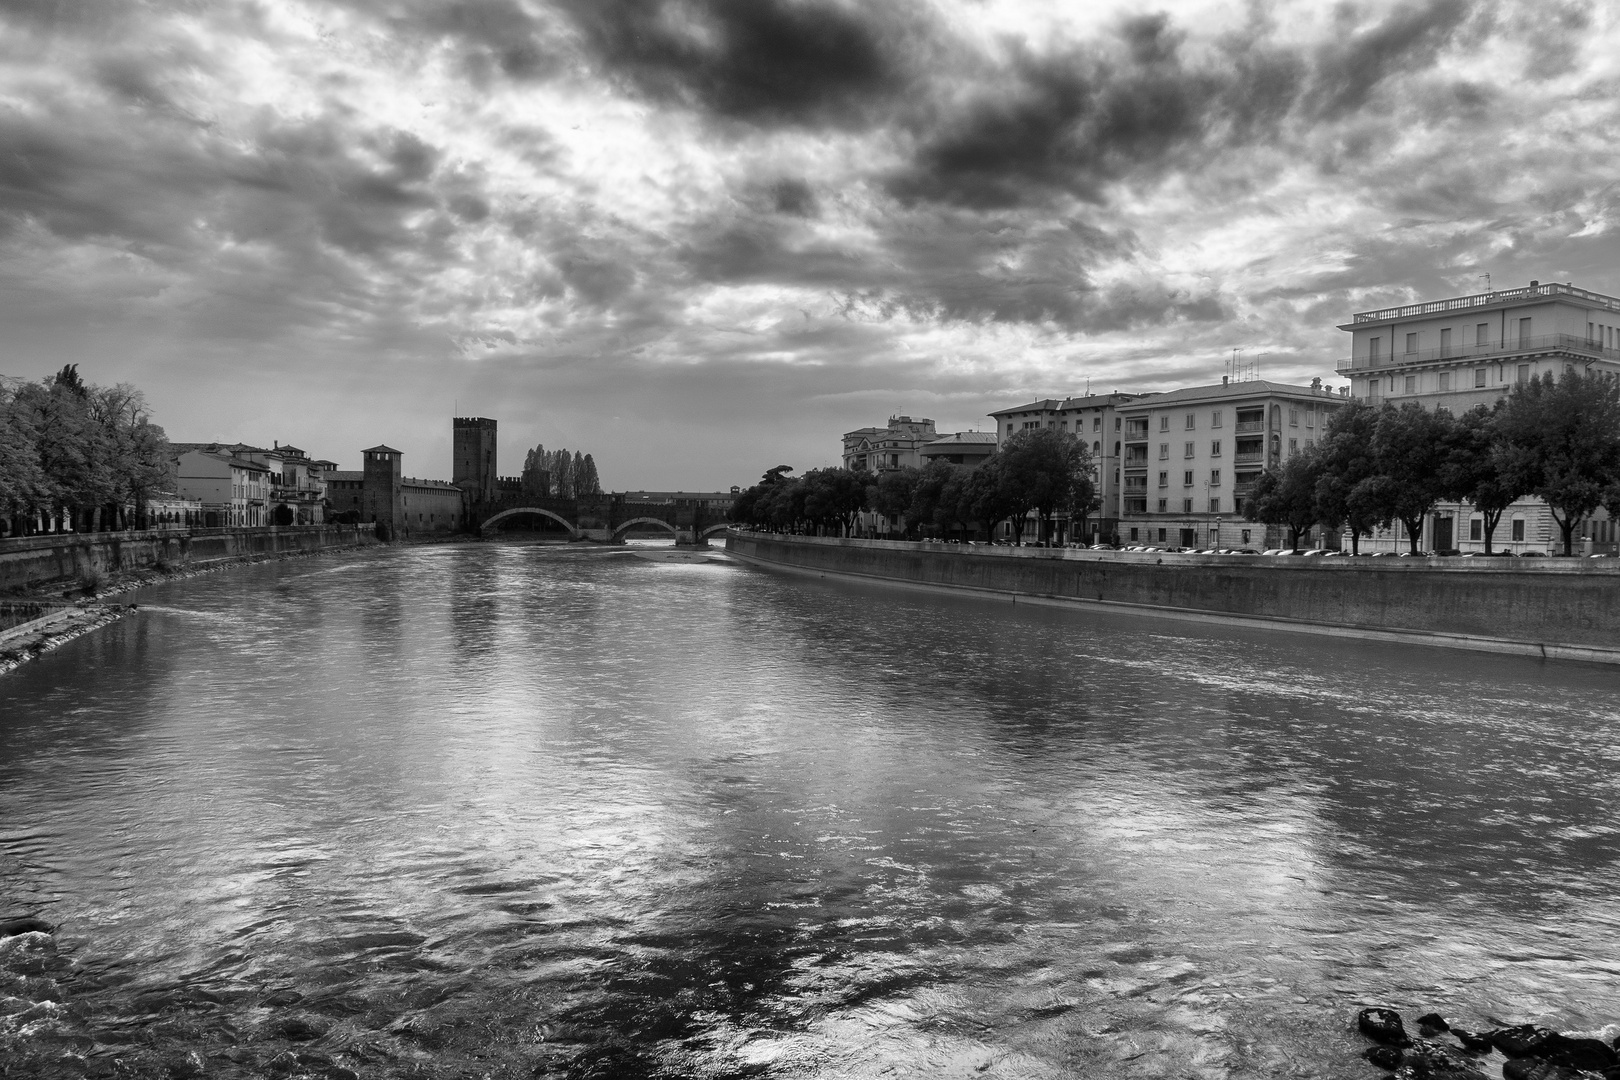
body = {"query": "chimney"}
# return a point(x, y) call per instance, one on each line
point(1534, 283)
point(1316, 384)
point(1225, 379)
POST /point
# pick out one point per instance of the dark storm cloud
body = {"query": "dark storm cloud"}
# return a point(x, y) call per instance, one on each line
point(760, 61)
point(1134, 107)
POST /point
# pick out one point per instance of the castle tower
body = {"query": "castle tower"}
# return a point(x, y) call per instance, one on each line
point(382, 498)
point(472, 466)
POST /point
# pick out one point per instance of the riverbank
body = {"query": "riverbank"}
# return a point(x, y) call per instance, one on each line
point(87, 562)
point(1553, 609)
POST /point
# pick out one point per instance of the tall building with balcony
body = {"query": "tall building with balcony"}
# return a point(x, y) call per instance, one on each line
point(1095, 420)
point(1192, 456)
point(1470, 350)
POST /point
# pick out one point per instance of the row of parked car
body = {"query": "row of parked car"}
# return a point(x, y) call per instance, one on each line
point(1333, 553)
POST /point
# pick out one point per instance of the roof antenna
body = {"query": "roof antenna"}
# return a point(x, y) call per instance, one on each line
point(1487, 278)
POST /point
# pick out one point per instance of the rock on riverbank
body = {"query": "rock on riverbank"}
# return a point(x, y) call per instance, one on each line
point(1522, 1051)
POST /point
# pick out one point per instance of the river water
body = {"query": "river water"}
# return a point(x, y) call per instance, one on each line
point(513, 810)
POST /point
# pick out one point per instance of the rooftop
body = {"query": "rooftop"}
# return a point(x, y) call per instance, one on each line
point(383, 448)
point(1228, 391)
point(965, 438)
point(1504, 297)
point(1088, 401)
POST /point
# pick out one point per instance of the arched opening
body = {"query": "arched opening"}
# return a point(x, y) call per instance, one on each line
point(646, 529)
point(531, 523)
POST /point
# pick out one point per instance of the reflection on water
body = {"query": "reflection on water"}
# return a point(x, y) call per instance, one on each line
point(513, 809)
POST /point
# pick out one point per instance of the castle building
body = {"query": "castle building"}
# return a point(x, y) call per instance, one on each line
point(380, 493)
point(472, 467)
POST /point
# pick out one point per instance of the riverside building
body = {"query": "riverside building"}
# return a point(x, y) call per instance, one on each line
point(1464, 351)
point(1095, 420)
point(1192, 456)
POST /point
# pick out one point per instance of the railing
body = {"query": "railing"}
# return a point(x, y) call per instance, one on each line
point(1463, 303)
point(1248, 459)
point(1135, 432)
point(1540, 343)
point(1250, 425)
point(1136, 462)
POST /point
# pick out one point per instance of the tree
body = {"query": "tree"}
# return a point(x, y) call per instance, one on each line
point(1346, 459)
point(536, 477)
point(1409, 446)
point(832, 498)
point(588, 483)
point(1287, 495)
point(892, 495)
point(754, 506)
point(1043, 470)
point(1560, 441)
point(984, 495)
point(1476, 473)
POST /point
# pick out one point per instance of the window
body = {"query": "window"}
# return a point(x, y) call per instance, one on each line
point(1164, 422)
point(1164, 478)
point(1445, 341)
point(1116, 423)
point(1245, 536)
point(1310, 416)
point(1133, 534)
point(1524, 332)
point(1187, 450)
point(1192, 421)
point(1411, 384)
point(1372, 388)
point(1186, 478)
point(1214, 505)
point(1518, 530)
point(1372, 348)
point(1215, 418)
point(1411, 343)
point(1164, 505)
point(1293, 418)
point(1215, 448)
point(1186, 506)
point(1293, 446)
point(1479, 376)
point(1445, 381)
point(1476, 529)
point(1524, 373)
point(1009, 429)
point(1096, 423)
point(1214, 478)
point(1482, 334)
point(1096, 447)
point(1164, 451)
point(1116, 449)
point(1161, 536)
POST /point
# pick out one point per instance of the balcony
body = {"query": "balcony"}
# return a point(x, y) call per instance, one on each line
point(1467, 353)
point(1254, 457)
point(1250, 425)
point(1132, 462)
point(1464, 303)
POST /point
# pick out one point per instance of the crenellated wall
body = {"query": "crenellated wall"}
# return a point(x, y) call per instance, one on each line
point(1565, 608)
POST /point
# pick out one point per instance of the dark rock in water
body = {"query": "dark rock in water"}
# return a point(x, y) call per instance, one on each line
point(1432, 1024)
point(29, 925)
point(1385, 1057)
point(1591, 1054)
point(282, 998)
point(1529, 1068)
point(1478, 1042)
point(1433, 1061)
point(1524, 1040)
point(1383, 1026)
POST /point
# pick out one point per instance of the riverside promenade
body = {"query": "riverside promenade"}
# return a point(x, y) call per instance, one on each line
point(1554, 608)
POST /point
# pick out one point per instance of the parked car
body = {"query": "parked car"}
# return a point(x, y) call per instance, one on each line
point(1532, 554)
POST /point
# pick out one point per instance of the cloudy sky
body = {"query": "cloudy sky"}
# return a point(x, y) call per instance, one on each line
point(702, 237)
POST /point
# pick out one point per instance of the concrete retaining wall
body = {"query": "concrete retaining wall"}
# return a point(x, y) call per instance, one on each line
point(1554, 607)
point(31, 561)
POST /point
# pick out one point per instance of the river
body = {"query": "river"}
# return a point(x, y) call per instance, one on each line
point(520, 810)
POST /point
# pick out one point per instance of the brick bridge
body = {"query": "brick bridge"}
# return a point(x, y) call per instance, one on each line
point(607, 518)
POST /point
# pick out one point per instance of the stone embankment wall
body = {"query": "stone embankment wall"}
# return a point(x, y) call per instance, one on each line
point(31, 561)
point(1561, 608)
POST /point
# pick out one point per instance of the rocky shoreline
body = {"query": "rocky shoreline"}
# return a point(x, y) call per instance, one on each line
point(1521, 1051)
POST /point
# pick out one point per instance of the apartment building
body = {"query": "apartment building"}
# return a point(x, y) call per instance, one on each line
point(1192, 456)
point(877, 449)
point(1094, 419)
point(232, 490)
point(1464, 351)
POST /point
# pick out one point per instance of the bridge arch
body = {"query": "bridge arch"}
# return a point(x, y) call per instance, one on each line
point(489, 526)
point(712, 529)
point(660, 522)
